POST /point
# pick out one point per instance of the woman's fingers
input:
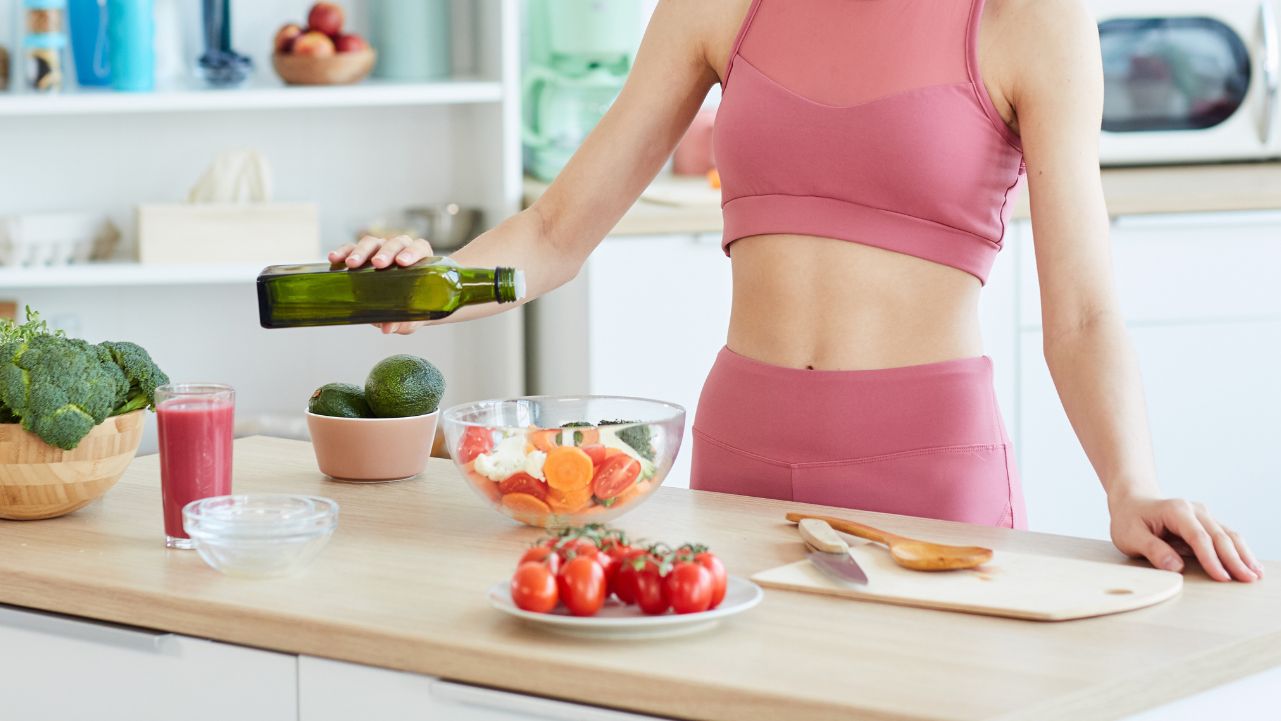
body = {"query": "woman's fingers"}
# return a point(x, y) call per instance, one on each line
point(363, 250)
point(413, 252)
point(382, 252)
point(398, 328)
point(340, 254)
point(1246, 554)
point(1182, 519)
point(1226, 548)
point(386, 254)
point(1161, 554)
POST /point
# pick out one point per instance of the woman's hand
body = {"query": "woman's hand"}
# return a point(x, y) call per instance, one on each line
point(1165, 529)
point(381, 253)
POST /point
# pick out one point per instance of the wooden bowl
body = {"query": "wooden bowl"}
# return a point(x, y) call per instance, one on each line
point(337, 69)
point(40, 481)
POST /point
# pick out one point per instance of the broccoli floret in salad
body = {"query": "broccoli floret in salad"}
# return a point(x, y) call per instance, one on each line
point(639, 437)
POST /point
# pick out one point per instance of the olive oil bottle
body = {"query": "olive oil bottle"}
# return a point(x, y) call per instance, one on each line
point(314, 294)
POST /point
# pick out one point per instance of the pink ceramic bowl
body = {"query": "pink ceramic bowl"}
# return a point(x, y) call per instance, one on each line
point(372, 449)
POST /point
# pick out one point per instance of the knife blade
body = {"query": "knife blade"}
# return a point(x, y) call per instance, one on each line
point(829, 553)
point(841, 568)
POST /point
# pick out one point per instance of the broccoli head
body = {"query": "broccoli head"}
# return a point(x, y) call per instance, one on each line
point(58, 386)
point(639, 437)
point(141, 375)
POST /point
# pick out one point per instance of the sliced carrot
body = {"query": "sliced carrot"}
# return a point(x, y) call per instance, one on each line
point(588, 435)
point(544, 439)
point(571, 502)
point(526, 508)
point(568, 468)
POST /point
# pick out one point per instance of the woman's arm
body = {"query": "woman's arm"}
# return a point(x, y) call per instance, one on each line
point(1058, 97)
point(551, 239)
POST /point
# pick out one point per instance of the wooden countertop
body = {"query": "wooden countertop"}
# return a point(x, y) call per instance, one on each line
point(1129, 191)
point(401, 585)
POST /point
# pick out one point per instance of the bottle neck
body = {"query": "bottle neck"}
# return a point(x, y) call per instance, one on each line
point(502, 285)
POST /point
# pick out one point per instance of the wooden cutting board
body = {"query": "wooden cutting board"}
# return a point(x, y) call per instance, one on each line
point(1017, 585)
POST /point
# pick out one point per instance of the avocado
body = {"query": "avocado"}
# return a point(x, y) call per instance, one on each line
point(343, 400)
point(404, 385)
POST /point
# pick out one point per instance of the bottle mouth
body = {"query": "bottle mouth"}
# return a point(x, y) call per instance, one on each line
point(509, 285)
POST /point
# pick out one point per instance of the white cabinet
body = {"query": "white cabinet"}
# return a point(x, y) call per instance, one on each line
point(57, 668)
point(646, 317)
point(337, 691)
point(1201, 299)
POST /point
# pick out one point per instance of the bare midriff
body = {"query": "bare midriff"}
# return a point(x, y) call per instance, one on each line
point(808, 302)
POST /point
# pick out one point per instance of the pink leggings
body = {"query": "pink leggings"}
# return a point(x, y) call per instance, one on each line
point(922, 440)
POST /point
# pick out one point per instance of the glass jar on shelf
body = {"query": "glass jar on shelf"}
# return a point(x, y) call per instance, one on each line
point(42, 55)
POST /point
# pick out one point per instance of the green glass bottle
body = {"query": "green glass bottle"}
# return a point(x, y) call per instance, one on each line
point(313, 294)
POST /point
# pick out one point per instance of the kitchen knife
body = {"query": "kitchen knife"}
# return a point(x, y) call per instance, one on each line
point(829, 553)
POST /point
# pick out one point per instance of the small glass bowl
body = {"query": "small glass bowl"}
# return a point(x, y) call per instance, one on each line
point(260, 535)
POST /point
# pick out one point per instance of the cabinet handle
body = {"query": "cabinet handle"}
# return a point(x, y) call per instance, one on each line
point(83, 629)
point(1211, 219)
point(1271, 52)
point(526, 706)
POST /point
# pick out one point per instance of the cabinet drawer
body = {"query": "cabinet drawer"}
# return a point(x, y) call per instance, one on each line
point(59, 667)
point(1206, 266)
point(338, 691)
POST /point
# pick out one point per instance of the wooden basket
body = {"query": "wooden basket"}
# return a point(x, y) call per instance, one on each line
point(38, 480)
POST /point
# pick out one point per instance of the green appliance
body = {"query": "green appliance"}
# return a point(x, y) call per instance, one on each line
point(578, 54)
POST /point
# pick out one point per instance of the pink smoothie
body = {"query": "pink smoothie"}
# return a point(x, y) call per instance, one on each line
point(195, 453)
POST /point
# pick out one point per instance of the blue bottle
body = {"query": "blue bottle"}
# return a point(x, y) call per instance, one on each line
point(131, 35)
point(89, 42)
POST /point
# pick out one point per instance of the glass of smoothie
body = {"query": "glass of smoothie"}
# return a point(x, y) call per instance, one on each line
point(195, 424)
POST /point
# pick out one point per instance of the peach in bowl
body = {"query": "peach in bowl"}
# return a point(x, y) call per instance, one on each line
point(553, 461)
point(372, 449)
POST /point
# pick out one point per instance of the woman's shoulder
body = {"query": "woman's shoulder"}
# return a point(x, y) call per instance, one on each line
point(713, 24)
point(1041, 20)
point(1039, 40)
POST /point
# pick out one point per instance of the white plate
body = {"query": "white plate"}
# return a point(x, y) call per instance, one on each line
point(618, 621)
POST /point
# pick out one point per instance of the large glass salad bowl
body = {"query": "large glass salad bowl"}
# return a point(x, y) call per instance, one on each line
point(554, 461)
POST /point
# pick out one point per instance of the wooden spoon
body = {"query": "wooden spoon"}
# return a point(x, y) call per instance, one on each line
point(909, 552)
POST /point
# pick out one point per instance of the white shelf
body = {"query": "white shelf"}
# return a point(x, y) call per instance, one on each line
point(104, 275)
point(260, 97)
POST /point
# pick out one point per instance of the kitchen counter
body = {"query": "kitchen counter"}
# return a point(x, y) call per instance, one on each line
point(401, 586)
point(687, 205)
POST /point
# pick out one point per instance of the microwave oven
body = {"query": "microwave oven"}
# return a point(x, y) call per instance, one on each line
point(1189, 81)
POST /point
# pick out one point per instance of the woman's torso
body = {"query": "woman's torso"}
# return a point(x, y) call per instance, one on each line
point(807, 301)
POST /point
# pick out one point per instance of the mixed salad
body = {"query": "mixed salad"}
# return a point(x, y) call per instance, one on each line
point(540, 474)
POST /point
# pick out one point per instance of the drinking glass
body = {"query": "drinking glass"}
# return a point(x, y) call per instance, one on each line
point(195, 422)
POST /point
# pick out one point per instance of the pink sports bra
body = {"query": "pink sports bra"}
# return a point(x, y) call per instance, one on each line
point(866, 121)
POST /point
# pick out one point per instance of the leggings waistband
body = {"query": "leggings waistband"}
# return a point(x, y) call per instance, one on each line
point(804, 416)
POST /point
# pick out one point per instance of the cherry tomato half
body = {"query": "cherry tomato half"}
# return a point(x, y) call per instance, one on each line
point(596, 452)
point(533, 588)
point(581, 585)
point(522, 482)
point(615, 475)
point(474, 442)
